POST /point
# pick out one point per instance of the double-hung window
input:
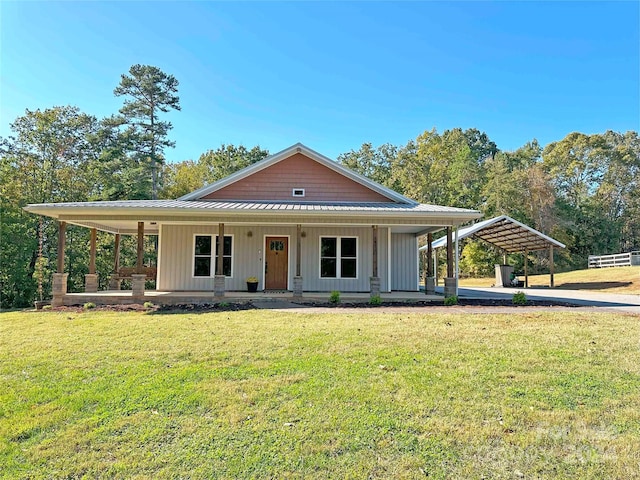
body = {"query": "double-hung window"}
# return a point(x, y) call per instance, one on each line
point(205, 258)
point(338, 257)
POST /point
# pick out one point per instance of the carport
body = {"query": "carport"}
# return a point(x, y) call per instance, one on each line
point(510, 236)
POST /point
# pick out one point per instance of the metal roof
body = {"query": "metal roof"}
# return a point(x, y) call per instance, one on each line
point(120, 206)
point(505, 233)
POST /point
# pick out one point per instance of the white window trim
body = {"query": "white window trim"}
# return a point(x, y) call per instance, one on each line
point(214, 239)
point(338, 257)
point(294, 190)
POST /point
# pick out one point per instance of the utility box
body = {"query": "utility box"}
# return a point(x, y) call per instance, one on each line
point(503, 275)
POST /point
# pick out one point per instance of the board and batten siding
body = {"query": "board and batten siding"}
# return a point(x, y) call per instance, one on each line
point(404, 262)
point(176, 257)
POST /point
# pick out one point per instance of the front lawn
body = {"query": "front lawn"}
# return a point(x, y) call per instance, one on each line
point(263, 394)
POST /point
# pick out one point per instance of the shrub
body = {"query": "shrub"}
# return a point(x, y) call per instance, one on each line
point(519, 298)
point(334, 297)
point(223, 304)
point(148, 305)
point(452, 300)
point(375, 300)
point(47, 307)
point(89, 305)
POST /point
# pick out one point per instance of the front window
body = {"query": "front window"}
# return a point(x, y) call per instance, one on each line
point(205, 262)
point(338, 257)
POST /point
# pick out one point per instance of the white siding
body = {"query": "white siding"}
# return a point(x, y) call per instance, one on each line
point(404, 263)
point(176, 257)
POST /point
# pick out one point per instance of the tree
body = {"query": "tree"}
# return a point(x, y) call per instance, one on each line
point(227, 159)
point(150, 92)
point(48, 159)
point(372, 163)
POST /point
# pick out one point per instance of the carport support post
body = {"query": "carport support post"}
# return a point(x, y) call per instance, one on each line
point(297, 280)
point(91, 279)
point(526, 271)
point(374, 280)
point(429, 281)
point(551, 266)
point(59, 287)
point(218, 281)
point(450, 282)
point(457, 261)
point(114, 281)
point(138, 279)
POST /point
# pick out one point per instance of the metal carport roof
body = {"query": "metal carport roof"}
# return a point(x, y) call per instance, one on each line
point(505, 233)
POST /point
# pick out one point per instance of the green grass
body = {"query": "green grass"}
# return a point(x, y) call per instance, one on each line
point(610, 280)
point(263, 394)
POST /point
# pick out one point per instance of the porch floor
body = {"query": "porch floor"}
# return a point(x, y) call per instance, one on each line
point(123, 297)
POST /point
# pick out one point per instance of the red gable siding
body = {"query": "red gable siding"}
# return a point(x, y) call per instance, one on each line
point(276, 182)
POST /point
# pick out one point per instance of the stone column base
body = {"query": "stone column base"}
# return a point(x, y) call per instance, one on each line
point(137, 284)
point(219, 285)
point(430, 286)
point(115, 283)
point(58, 289)
point(91, 283)
point(450, 285)
point(297, 287)
point(374, 283)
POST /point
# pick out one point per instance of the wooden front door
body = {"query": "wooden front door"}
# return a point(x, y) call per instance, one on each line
point(276, 267)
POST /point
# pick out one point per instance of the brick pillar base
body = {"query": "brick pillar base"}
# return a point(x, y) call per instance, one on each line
point(91, 283)
point(219, 285)
point(450, 284)
point(430, 286)
point(297, 287)
point(137, 284)
point(115, 283)
point(58, 289)
point(374, 283)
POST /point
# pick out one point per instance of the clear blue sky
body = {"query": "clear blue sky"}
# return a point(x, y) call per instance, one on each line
point(334, 75)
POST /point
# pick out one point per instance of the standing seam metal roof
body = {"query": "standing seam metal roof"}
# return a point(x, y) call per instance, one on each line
point(506, 233)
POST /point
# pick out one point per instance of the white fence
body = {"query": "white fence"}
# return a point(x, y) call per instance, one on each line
point(618, 260)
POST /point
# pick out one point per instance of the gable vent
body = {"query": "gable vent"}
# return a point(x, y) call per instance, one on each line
point(298, 192)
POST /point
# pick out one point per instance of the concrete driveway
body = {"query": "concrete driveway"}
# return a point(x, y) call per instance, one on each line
point(609, 301)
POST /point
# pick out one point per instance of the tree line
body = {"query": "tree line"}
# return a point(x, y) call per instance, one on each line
point(582, 189)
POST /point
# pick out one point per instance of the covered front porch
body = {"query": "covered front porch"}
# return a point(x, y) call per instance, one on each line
point(207, 251)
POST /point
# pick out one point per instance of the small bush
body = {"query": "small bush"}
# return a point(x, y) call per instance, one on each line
point(47, 307)
point(89, 305)
point(519, 298)
point(452, 300)
point(223, 304)
point(334, 297)
point(375, 300)
point(148, 305)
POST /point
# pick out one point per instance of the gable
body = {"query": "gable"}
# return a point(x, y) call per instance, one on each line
point(298, 171)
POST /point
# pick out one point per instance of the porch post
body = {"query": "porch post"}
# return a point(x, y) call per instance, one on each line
point(297, 280)
point(374, 280)
point(114, 281)
point(91, 279)
point(551, 284)
point(526, 271)
point(138, 278)
point(140, 252)
point(59, 287)
point(219, 280)
point(429, 282)
point(450, 282)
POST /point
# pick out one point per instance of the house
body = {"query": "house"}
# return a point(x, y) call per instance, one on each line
point(297, 220)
